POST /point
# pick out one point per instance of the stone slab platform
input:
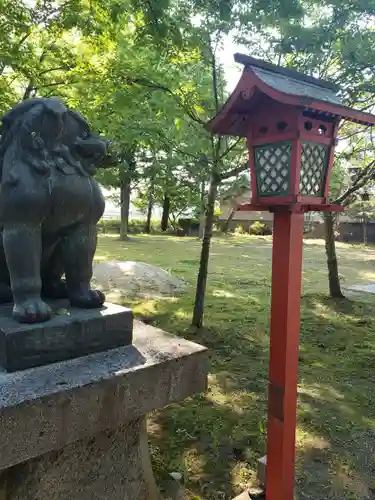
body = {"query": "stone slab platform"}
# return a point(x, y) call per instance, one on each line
point(251, 496)
point(72, 333)
point(50, 407)
point(370, 288)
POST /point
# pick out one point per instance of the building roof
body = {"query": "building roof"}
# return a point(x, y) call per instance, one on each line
point(284, 85)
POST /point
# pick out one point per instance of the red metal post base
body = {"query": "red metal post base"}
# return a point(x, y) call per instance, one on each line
point(284, 340)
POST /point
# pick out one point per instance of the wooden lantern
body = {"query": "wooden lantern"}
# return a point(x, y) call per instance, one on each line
point(290, 121)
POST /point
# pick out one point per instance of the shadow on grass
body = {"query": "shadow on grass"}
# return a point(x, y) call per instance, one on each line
point(216, 438)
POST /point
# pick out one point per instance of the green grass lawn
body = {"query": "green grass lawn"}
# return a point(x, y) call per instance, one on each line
point(215, 439)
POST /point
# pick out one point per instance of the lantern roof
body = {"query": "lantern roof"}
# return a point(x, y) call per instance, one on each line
point(286, 86)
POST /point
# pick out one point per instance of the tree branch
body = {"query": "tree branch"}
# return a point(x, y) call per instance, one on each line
point(17, 47)
point(228, 150)
point(234, 172)
point(356, 132)
point(167, 144)
point(59, 68)
point(47, 85)
point(54, 84)
point(361, 180)
point(156, 86)
point(214, 79)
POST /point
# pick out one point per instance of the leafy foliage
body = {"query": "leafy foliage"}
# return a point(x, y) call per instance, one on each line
point(335, 42)
point(362, 209)
point(147, 75)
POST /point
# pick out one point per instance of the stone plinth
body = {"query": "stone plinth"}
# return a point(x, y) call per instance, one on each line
point(243, 496)
point(262, 471)
point(76, 429)
point(71, 333)
point(369, 288)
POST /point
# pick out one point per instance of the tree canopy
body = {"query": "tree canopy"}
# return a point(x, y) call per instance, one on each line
point(147, 74)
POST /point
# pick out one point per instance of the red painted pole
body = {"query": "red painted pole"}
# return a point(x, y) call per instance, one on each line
point(284, 346)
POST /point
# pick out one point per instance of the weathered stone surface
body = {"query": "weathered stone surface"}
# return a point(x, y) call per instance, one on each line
point(370, 288)
point(256, 494)
point(262, 471)
point(76, 333)
point(109, 465)
point(136, 279)
point(48, 408)
point(244, 496)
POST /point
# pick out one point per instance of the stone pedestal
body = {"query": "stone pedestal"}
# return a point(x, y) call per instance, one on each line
point(262, 471)
point(76, 429)
point(243, 496)
point(71, 333)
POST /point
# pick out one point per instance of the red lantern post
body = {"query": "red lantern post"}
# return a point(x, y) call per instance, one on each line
point(290, 121)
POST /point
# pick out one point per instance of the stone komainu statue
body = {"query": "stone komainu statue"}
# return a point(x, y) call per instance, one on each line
point(49, 207)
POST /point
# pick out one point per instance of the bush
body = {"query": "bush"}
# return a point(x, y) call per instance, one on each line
point(240, 230)
point(258, 228)
point(109, 226)
point(112, 226)
point(188, 224)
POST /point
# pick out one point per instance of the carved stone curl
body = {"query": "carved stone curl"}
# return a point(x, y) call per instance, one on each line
point(49, 207)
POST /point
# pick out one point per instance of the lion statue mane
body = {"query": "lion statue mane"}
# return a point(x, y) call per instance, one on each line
point(49, 207)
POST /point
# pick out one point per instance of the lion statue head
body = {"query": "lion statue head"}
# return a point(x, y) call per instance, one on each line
point(45, 134)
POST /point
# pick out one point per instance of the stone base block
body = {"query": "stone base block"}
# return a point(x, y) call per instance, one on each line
point(251, 495)
point(244, 496)
point(75, 430)
point(109, 465)
point(71, 333)
point(262, 469)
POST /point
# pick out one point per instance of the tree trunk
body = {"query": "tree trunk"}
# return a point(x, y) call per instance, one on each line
point(202, 223)
point(202, 218)
point(226, 224)
point(165, 215)
point(205, 253)
point(149, 212)
point(333, 272)
point(125, 206)
point(364, 226)
point(127, 170)
point(28, 90)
